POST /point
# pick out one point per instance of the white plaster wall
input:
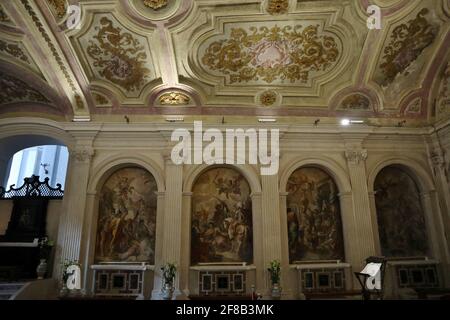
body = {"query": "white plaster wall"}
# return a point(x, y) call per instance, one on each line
point(111, 146)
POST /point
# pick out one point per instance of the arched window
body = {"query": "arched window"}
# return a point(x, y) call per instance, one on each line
point(313, 216)
point(401, 222)
point(126, 228)
point(221, 223)
point(49, 161)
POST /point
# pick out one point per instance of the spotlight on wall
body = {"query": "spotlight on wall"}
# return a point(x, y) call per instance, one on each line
point(81, 119)
point(347, 122)
point(175, 119)
point(316, 122)
point(127, 119)
point(265, 120)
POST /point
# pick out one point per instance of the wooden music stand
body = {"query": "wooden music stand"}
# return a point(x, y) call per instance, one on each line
point(362, 278)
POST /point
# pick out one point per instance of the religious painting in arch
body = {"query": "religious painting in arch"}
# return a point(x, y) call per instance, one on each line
point(126, 226)
point(401, 221)
point(221, 225)
point(313, 216)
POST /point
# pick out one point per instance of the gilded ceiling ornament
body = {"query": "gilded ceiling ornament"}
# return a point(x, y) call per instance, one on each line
point(415, 106)
point(3, 16)
point(174, 98)
point(118, 56)
point(79, 102)
point(100, 99)
point(270, 54)
point(443, 101)
point(408, 41)
point(268, 98)
point(50, 44)
point(15, 90)
point(155, 4)
point(13, 50)
point(277, 6)
point(355, 102)
point(60, 7)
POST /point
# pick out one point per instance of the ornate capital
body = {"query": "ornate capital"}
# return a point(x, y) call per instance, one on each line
point(356, 156)
point(437, 158)
point(82, 155)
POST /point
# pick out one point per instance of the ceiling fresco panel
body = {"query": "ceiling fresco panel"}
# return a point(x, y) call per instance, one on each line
point(115, 57)
point(408, 49)
point(304, 55)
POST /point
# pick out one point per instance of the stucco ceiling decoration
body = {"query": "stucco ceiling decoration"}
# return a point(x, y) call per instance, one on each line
point(152, 11)
point(174, 98)
point(268, 98)
point(271, 55)
point(14, 90)
point(58, 8)
point(277, 6)
point(414, 107)
point(355, 102)
point(101, 100)
point(247, 58)
point(443, 98)
point(4, 18)
point(407, 42)
point(116, 58)
point(16, 52)
point(303, 56)
point(408, 51)
point(155, 4)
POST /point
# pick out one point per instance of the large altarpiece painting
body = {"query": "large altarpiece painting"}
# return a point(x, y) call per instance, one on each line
point(313, 216)
point(221, 225)
point(127, 217)
point(401, 222)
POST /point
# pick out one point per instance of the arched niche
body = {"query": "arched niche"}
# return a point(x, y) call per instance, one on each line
point(400, 213)
point(126, 222)
point(221, 217)
point(313, 216)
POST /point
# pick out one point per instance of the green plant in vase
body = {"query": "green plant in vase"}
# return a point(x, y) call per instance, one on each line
point(45, 248)
point(168, 272)
point(275, 274)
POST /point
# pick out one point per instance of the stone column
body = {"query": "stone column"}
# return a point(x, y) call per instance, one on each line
point(442, 187)
point(289, 281)
point(258, 251)
point(73, 208)
point(436, 232)
point(172, 226)
point(373, 209)
point(157, 279)
point(271, 224)
point(363, 233)
point(349, 228)
point(87, 250)
point(186, 243)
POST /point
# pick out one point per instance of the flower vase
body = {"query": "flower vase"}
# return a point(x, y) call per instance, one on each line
point(41, 269)
point(167, 291)
point(276, 291)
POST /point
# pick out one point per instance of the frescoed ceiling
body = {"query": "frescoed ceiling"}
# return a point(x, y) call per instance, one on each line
point(292, 59)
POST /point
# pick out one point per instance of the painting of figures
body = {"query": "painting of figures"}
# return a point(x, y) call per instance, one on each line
point(313, 216)
point(401, 223)
point(127, 217)
point(221, 225)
